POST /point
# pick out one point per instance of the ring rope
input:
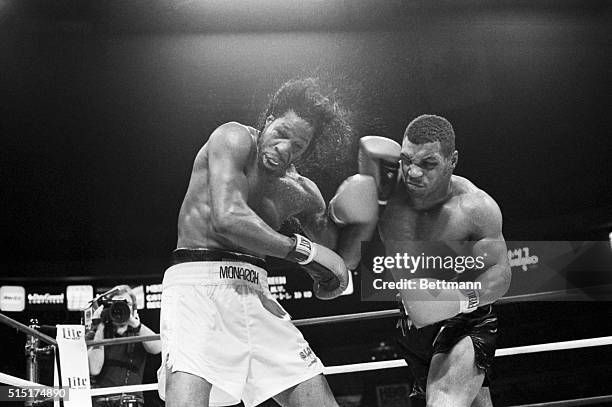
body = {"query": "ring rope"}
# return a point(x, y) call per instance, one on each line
point(103, 391)
point(122, 341)
point(347, 317)
point(389, 364)
point(15, 381)
point(364, 367)
point(386, 364)
point(18, 382)
point(358, 367)
point(298, 322)
point(547, 347)
point(133, 339)
point(26, 329)
point(545, 296)
point(571, 403)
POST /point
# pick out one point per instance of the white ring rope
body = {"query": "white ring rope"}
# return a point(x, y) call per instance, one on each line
point(15, 381)
point(364, 367)
point(571, 403)
point(357, 367)
point(546, 347)
point(389, 364)
point(103, 391)
point(18, 382)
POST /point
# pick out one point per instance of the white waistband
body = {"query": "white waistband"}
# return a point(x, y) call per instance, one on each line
point(216, 273)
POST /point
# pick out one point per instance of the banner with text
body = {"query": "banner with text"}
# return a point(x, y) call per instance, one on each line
point(74, 366)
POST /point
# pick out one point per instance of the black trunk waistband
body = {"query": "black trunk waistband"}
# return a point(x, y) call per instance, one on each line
point(188, 255)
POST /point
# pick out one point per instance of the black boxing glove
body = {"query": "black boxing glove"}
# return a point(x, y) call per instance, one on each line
point(379, 158)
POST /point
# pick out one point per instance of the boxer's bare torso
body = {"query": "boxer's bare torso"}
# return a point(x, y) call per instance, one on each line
point(456, 219)
point(273, 197)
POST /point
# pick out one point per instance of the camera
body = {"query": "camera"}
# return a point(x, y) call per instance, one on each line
point(116, 311)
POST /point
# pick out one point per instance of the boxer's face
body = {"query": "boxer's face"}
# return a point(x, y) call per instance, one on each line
point(283, 140)
point(424, 167)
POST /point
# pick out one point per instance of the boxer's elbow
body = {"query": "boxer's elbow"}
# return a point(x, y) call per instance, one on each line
point(220, 224)
point(224, 221)
point(502, 284)
point(419, 322)
point(420, 313)
point(351, 262)
point(506, 279)
point(422, 319)
point(496, 288)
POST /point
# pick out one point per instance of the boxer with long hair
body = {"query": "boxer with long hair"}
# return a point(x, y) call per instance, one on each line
point(224, 338)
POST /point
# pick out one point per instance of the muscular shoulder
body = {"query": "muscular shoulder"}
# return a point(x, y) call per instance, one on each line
point(232, 135)
point(231, 140)
point(313, 199)
point(478, 206)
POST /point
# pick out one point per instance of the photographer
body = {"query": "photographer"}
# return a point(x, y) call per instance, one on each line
point(118, 365)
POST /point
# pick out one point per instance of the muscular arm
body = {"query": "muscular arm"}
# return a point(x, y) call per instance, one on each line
point(313, 218)
point(230, 148)
point(426, 308)
point(491, 246)
point(349, 243)
point(345, 240)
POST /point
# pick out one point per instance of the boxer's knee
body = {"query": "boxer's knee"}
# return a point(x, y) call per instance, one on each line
point(314, 392)
point(457, 364)
point(446, 392)
point(454, 379)
point(439, 399)
point(483, 398)
point(446, 396)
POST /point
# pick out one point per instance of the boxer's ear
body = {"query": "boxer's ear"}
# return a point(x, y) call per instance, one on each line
point(454, 159)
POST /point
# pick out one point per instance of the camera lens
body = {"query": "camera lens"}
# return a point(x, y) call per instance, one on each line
point(120, 312)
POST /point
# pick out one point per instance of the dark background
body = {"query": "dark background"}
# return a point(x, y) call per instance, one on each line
point(104, 105)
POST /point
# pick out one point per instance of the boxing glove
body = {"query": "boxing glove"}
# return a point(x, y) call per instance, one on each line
point(425, 308)
point(355, 201)
point(326, 268)
point(379, 157)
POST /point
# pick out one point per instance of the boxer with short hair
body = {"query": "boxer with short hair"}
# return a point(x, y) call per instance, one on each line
point(454, 344)
point(224, 337)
